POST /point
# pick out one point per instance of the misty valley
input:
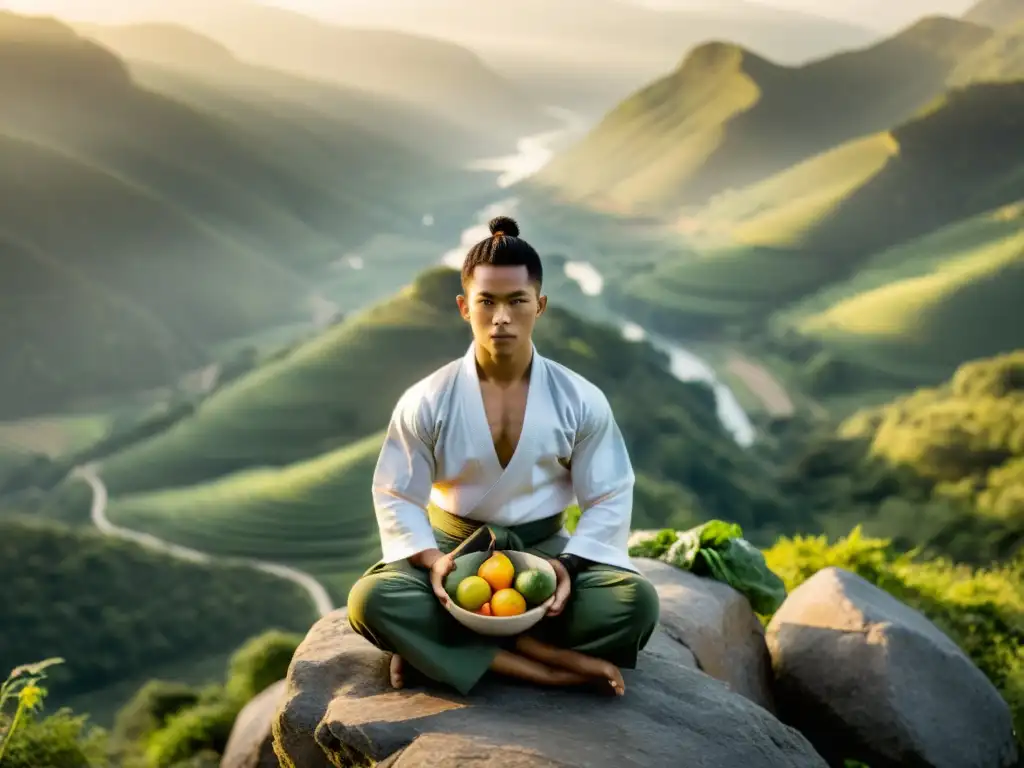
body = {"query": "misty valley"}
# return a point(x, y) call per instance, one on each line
point(786, 244)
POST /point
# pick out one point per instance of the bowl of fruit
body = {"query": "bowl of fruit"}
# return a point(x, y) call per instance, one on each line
point(500, 593)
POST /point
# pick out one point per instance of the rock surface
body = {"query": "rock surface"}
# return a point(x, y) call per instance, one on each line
point(250, 744)
point(439, 750)
point(339, 704)
point(719, 627)
point(866, 677)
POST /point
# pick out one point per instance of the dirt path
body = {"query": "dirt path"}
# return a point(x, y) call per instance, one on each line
point(98, 513)
point(765, 386)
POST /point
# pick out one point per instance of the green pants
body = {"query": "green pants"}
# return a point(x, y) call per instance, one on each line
point(611, 613)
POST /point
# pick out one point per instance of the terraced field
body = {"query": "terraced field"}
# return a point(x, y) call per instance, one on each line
point(810, 228)
point(917, 311)
point(315, 515)
point(51, 436)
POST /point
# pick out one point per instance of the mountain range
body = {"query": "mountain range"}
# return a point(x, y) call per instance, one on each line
point(996, 13)
point(542, 50)
point(728, 117)
point(186, 194)
point(856, 219)
point(152, 212)
point(440, 80)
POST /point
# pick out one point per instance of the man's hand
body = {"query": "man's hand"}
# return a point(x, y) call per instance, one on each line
point(439, 565)
point(563, 587)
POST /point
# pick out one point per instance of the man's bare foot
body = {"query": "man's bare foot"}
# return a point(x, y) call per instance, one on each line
point(397, 672)
point(573, 661)
point(520, 667)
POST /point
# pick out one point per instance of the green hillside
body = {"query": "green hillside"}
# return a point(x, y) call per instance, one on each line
point(727, 118)
point(996, 13)
point(913, 313)
point(443, 80)
point(202, 72)
point(114, 610)
point(1001, 58)
point(180, 224)
point(561, 54)
point(51, 314)
point(819, 222)
point(278, 441)
point(315, 515)
point(941, 467)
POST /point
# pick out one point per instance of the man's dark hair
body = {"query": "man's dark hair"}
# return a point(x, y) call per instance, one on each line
point(503, 248)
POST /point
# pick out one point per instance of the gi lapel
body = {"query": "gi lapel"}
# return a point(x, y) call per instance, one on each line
point(505, 481)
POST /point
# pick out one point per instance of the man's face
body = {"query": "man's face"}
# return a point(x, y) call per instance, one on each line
point(501, 305)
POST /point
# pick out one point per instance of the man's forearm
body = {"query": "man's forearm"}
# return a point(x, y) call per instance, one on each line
point(426, 558)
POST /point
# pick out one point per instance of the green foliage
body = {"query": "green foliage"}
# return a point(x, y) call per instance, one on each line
point(58, 741)
point(982, 610)
point(260, 663)
point(150, 708)
point(23, 689)
point(167, 725)
point(115, 609)
point(655, 546)
point(205, 727)
point(717, 549)
point(939, 468)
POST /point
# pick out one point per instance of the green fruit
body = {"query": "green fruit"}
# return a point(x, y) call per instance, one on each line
point(466, 565)
point(535, 585)
point(472, 593)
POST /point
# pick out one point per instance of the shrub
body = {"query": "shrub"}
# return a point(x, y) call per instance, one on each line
point(188, 734)
point(260, 663)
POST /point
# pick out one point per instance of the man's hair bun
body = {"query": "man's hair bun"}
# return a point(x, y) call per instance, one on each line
point(504, 225)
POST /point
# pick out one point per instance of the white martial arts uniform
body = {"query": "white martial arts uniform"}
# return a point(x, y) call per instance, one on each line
point(439, 449)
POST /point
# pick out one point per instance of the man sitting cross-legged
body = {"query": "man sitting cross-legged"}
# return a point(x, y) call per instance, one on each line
point(499, 444)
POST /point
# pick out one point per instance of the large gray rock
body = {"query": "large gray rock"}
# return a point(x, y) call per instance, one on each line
point(340, 710)
point(718, 625)
point(441, 750)
point(866, 677)
point(250, 744)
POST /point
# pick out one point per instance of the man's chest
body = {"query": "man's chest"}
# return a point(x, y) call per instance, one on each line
point(505, 412)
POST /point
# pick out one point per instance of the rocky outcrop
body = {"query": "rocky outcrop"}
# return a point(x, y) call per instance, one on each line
point(716, 623)
point(439, 750)
point(250, 744)
point(340, 710)
point(866, 677)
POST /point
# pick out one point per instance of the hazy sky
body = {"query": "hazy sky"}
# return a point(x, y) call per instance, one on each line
point(883, 14)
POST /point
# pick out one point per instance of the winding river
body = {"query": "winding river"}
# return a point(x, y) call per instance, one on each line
point(533, 153)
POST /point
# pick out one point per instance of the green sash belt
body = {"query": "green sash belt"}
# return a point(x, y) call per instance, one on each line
point(465, 535)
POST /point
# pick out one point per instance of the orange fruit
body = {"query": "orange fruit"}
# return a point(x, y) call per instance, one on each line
point(485, 610)
point(508, 602)
point(498, 571)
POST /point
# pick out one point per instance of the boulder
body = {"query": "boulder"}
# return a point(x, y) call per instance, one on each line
point(719, 627)
point(441, 750)
point(340, 710)
point(250, 744)
point(866, 677)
